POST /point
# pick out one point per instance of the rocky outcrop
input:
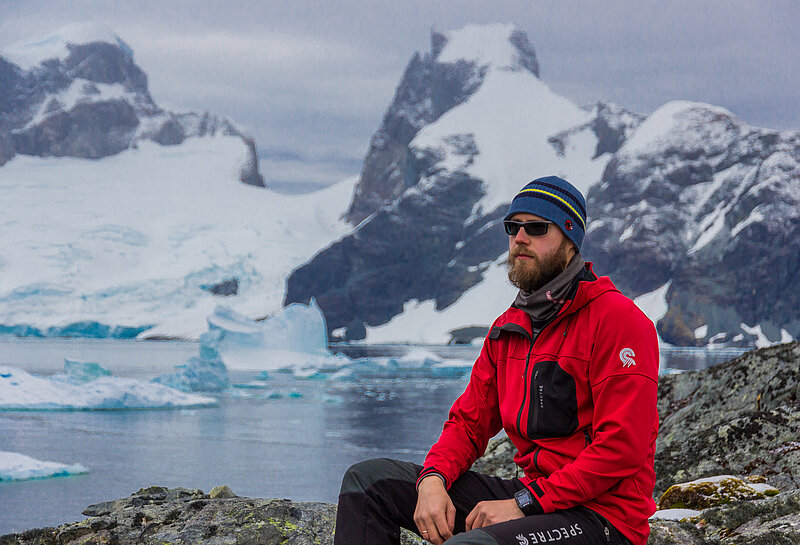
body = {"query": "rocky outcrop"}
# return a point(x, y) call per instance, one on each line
point(739, 418)
point(158, 515)
point(92, 103)
point(611, 124)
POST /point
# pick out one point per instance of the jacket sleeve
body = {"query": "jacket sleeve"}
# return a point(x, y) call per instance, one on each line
point(474, 419)
point(623, 378)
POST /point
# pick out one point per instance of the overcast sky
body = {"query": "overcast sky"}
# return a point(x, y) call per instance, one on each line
point(311, 79)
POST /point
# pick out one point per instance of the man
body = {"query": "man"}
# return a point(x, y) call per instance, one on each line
point(570, 373)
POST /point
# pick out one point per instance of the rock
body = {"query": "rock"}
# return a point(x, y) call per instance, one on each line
point(741, 417)
point(226, 288)
point(713, 492)
point(221, 492)
point(158, 515)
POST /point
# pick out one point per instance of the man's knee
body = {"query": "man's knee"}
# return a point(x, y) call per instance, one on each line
point(359, 477)
point(473, 537)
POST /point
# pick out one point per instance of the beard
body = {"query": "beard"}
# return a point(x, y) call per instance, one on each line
point(531, 275)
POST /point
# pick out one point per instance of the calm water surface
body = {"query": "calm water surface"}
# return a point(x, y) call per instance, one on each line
point(295, 445)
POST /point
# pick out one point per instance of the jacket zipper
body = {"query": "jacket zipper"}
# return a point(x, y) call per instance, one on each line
point(531, 340)
point(536, 460)
point(535, 398)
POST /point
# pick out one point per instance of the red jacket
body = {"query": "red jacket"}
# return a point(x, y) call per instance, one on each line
point(579, 404)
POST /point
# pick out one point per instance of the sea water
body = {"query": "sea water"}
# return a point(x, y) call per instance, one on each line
point(279, 437)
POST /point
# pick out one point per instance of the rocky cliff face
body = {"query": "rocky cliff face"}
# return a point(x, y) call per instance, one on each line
point(93, 101)
point(699, 198)
point(429, 88)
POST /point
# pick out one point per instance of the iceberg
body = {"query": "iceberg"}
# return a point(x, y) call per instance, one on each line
point(19, 390)
point(203, 372)
point(18, 467)
point(81, 372)
point(295, 338)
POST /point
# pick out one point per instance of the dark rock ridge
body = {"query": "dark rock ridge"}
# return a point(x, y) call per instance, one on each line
point(93, 103)
point(712, 204)
point(416, 236)
point(752, 429)
point(428, 89)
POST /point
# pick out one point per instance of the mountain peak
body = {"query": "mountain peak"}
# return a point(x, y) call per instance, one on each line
point(28, 54)
point(499, 45)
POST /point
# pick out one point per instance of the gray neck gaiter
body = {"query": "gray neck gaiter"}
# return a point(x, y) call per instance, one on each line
point(545, 303)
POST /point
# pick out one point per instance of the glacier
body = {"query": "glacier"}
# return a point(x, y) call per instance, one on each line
point(123, 247)
point(87, 386)
point(19, 467)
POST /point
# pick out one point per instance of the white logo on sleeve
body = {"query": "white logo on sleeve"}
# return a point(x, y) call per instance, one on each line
point(626, 356)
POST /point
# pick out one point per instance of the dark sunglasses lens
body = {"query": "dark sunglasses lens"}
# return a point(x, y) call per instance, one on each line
point(533, 228)
point(512, 227)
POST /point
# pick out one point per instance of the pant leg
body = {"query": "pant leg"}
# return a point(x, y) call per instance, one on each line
point(378, 497)
point(576, 526)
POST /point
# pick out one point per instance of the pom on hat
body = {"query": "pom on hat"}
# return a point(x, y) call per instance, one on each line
point(556, 200)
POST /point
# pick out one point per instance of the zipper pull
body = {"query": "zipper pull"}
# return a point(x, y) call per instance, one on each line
point(608, 536)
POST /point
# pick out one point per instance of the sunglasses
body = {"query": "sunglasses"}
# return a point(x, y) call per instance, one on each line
point(532, 228)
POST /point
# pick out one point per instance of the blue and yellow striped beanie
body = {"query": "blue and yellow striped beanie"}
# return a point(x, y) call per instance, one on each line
point(557, 200)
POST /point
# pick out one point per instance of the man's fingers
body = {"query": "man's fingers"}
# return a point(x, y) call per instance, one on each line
point(442, 526)
point(431, 532)
point(471, 517)
point(451, 517)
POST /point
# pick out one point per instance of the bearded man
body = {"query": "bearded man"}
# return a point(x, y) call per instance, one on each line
point(570, 373)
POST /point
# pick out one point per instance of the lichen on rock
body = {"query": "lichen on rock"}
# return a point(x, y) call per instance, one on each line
point(713, 492)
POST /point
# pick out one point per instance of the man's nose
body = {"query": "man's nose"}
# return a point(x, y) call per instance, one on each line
point(522, 237)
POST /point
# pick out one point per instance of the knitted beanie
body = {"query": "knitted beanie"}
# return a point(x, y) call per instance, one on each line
point(556, 200)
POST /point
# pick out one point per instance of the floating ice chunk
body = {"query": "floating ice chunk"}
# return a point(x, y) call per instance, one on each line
point(20, 390)
point(81, 372)
point(18, 467)
point(294, 338)
point(206, 372)
point(451, 369)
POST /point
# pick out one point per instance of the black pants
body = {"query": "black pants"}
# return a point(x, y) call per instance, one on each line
point(378, 497)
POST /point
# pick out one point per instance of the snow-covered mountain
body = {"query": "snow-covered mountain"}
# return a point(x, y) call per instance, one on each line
point(470, 124)
point(79, 93)
point(120, 219)
point(701, 200)
point(692, 211)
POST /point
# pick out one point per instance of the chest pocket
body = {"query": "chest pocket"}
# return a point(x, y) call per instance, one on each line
point(554, 405)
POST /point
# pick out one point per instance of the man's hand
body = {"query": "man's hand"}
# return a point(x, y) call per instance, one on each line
point(435, 512)
point(492, 512)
